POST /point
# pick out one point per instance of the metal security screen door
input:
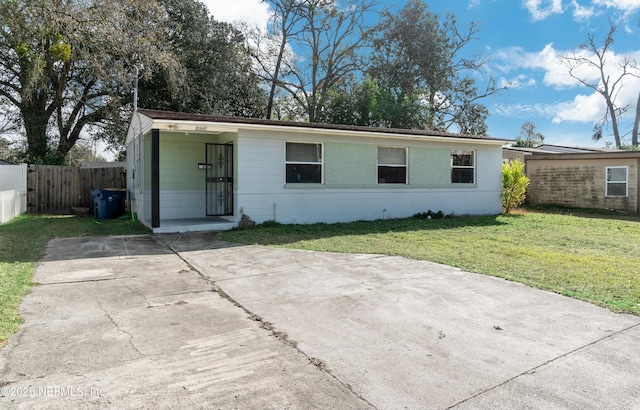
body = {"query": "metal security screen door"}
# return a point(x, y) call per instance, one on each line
point(219, 179)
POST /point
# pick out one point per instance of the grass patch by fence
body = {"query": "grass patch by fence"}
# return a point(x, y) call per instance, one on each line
point(590, 256)
point(22, 245)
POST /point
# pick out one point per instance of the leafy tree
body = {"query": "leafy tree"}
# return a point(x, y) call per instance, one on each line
point(216, 73)
point(65, 66)
point(595, 57)
point(514, 185)
point(529, 137)
point(365, 103)
point(418, 56)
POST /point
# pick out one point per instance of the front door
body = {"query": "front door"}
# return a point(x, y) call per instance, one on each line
point(219, 179)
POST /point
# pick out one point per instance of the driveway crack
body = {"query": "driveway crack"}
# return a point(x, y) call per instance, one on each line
point(281, 336)
point(73, 282)
point(548, 362)
point(120, 329)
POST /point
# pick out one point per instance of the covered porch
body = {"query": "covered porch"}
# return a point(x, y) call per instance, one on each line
point(182, 175)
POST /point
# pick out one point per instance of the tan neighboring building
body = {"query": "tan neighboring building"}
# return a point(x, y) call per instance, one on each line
point(600, 180)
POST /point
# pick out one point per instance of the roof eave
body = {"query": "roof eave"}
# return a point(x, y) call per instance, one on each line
point(183, 122)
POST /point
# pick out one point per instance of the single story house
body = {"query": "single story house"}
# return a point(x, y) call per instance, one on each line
point(599, 180)
point(200, 172)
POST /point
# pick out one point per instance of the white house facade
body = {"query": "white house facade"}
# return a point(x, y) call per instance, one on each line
point(197, 172)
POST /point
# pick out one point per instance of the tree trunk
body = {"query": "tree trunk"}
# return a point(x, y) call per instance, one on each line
point(276, 74)
point(636, 124)
point(36, 119)
point(614, 121)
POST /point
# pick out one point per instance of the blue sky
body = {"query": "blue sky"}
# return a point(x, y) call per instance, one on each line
point(524, 39)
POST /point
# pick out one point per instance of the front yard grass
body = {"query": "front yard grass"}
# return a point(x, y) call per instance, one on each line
point(22, 245)
point(590, 256)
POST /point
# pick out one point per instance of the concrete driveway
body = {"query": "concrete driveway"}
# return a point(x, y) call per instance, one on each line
point(128, 323)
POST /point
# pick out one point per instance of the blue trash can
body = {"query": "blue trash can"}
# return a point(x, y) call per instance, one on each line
point(108, 203)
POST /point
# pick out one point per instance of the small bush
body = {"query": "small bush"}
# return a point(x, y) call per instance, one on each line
point(270, 224)
point(432, 215)
point(514, 185)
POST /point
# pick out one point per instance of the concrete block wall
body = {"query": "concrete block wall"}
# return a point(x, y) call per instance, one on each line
point(579, 182)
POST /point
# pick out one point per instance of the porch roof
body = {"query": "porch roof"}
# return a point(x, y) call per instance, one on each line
point(171, 120)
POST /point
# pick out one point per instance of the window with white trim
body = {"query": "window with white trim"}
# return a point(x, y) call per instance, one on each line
point(303, 163)
point(392, 165)
point(463, 167)
point(617, 181)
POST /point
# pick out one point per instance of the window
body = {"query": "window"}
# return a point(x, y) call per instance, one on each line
point(617, 181)
point(304, 163)
point(463, 167)
point(392, 165)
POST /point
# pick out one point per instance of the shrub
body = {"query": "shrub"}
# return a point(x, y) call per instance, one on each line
point(270, 224)
point(514, 185)
point(432, 215)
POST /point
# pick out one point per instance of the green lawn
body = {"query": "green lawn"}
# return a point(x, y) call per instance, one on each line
point(22, 244)
point(593, 257)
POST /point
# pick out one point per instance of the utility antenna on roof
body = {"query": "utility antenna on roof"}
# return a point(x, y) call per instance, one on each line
point(135, 91)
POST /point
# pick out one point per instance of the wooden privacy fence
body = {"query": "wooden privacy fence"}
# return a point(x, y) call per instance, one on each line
point(57, 189)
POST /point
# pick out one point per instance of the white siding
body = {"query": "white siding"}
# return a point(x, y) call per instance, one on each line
point(182, 204)
point(13, 191)
point(12, 205)
point(309, 206)
point(263, 195)
point(261, 192)
point(141, 200)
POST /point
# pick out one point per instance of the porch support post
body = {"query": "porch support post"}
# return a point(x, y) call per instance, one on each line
point(155, 178)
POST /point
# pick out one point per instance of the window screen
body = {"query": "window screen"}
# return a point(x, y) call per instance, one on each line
point(463, 169)
point(303, 163)
point(392, 165)
point(617, 181)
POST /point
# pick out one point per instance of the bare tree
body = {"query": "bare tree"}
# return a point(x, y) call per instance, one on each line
point(595, 56)
point(271, 49)
point(329, 34)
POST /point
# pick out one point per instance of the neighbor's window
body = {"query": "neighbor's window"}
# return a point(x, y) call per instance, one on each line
point(463, 167)
point(618, 181)
point(392, 165)
point(304, 163)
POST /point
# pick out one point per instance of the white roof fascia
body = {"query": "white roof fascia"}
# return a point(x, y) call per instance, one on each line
point(222, 127)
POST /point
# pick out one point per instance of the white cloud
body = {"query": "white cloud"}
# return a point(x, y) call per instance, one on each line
point(252, 12)
point(556, 73)
point(541, 9)
point(627, 6)
point(582, 13)
point(546, 60)
point(587, 106)
point(583, 108)
point(525, 111)
point(591, 107)
point(519, 81)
